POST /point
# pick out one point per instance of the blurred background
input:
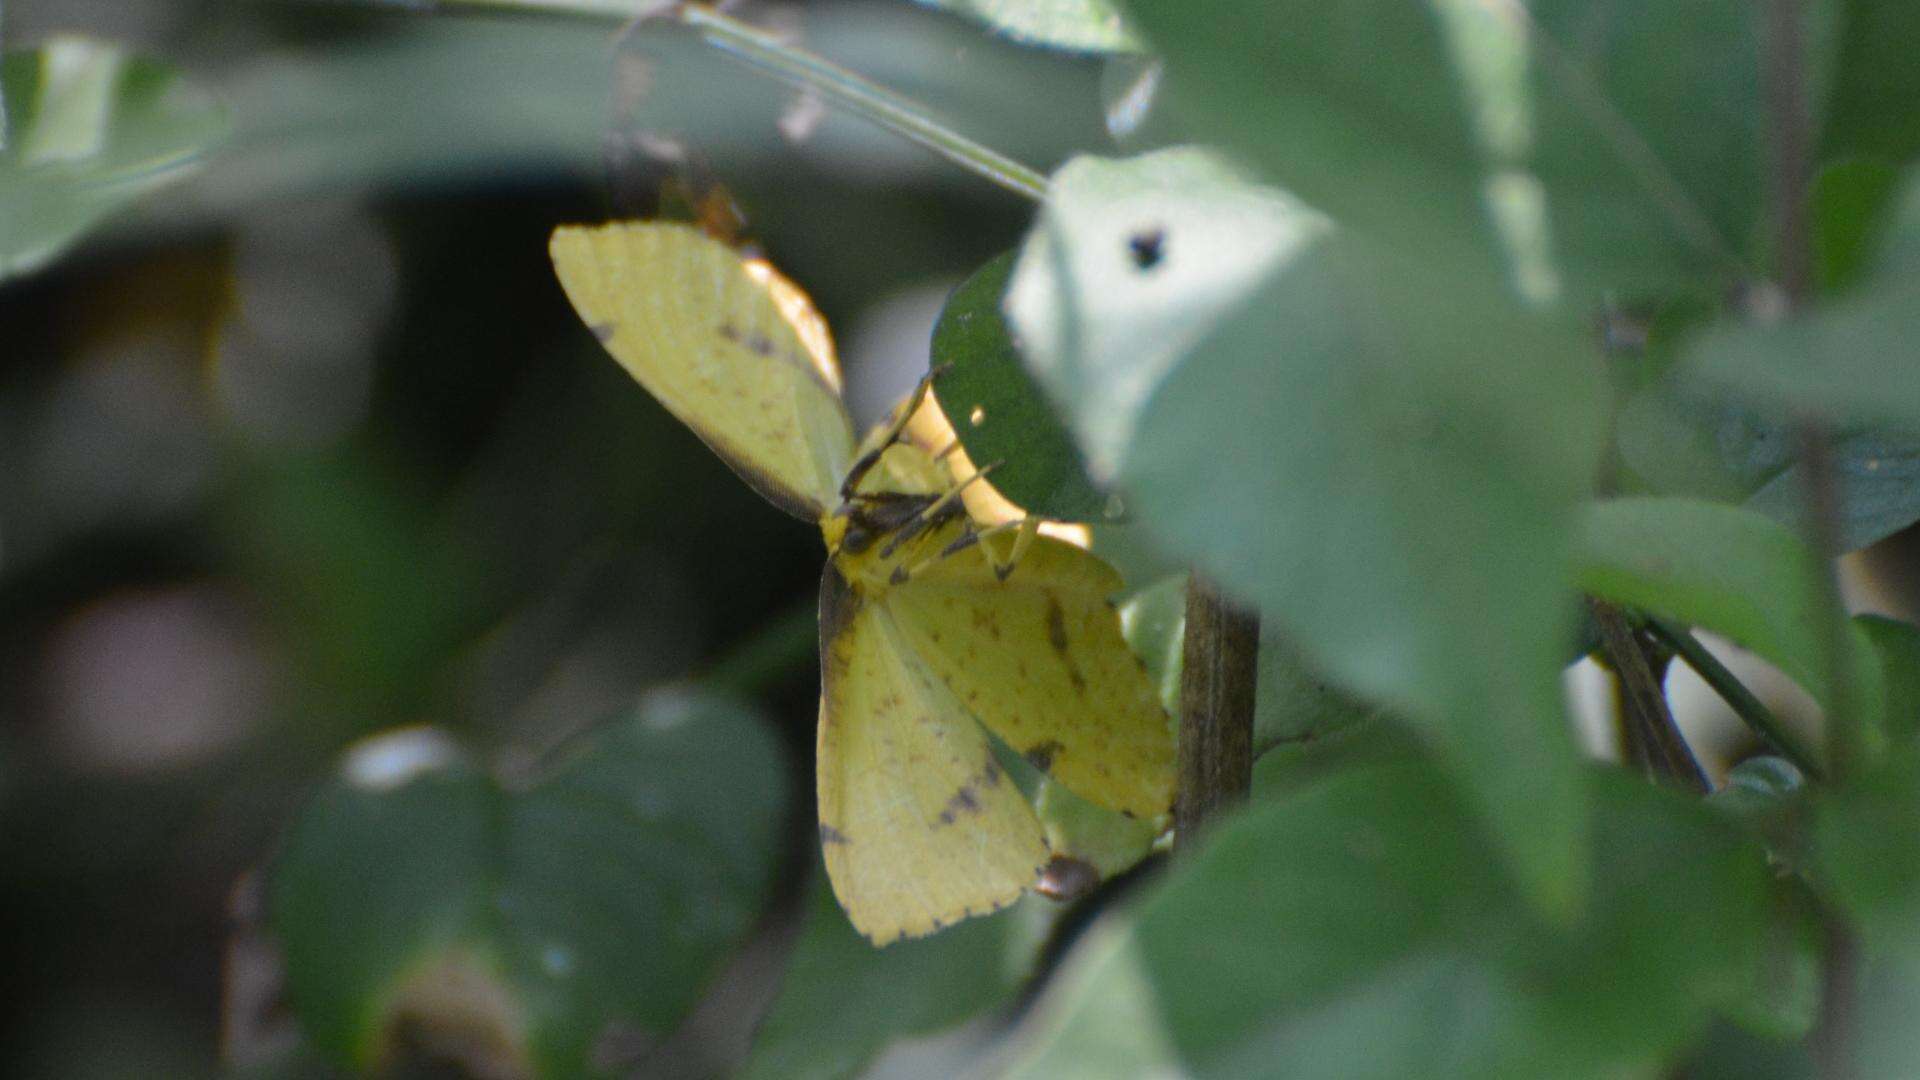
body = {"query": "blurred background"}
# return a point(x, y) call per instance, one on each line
point(309, 445)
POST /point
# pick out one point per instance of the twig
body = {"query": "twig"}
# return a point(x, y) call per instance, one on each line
point(860, 96)
point(1219, 659)
point(1666, 752)
point(1750, 709)
point(1789, 126)
point(1786, 77)
point(799, 68)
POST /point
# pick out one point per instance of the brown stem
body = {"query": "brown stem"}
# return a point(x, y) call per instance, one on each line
point(1790, 125)
point(1832, 1037)
point(1666, 753)
point(1217, 678)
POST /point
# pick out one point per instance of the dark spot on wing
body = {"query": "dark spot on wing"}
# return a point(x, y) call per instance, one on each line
point(963, 801)
point(1147, 247)
point(760, 344)
point(1056, 626)
point(831, 835)
point(967, 799)
point(838, 605)
point(1040, 755)
point(604, 331)
point(1066, 878)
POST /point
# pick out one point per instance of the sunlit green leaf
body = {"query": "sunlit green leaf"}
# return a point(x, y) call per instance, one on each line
point(1373, 936)
point(88, 129)
point(527, 922)
point(1002, 418)
point(1076, 25)
point(1129, 265)
point(842, 1001)
point(1385, 462)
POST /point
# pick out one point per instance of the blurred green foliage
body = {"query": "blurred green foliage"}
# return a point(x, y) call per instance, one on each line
point(1408, 322)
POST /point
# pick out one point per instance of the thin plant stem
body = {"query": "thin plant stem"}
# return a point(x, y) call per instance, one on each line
point(859, 96)
point(1749, 708)
point(801, 69)
point(1790, 128)
point(1217, 681)
point(1666, 753)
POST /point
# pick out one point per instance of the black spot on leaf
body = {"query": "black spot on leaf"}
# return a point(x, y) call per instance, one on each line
point(1147, 247)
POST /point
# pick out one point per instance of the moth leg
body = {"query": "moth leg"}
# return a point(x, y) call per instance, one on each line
point(1024, 531)
point(934, 512)
point(902, 413)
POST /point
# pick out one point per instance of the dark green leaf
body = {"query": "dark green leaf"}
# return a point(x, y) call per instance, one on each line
point(529, 922)
point(1001, 416)
point(88, 128)
point(1876, 481)
point(1093, 26)
point(1897, 644)
point(843, 1002)
point(1851, 200)
point(1728, 570)
point(1358, 929)
point(1876, 84)
point(1675, 444)
point(1867, 851)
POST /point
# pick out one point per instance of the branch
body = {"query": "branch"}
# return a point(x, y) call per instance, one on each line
point(1667, 753)
point(1217, 681)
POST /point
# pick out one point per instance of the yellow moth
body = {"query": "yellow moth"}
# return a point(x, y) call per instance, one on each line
point(931, 624)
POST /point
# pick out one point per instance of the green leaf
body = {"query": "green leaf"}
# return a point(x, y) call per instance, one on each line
point(1356, 108)
point(529, 921)
point(1002, 418)
point(1845, 360)
point(1851, 200)
point(1876, 84)
point(1897, 644)
point(1876, 483)
point(1092, 26)
point(1675, 444)
point(1866, 851)
point(1129, 265)
point(1456, 130)
point(88, 129)
point(1358, 929)
point(1642, 195)
point(842, 1002)
point(1730, 571)
point(1384, 461)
